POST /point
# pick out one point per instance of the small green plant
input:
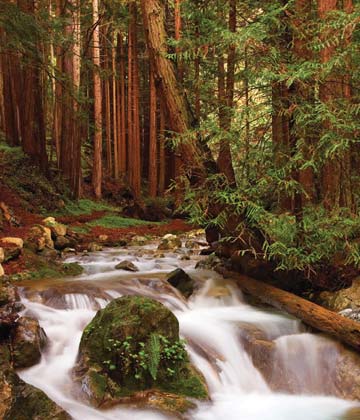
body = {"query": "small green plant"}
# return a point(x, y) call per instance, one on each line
point(144, 360)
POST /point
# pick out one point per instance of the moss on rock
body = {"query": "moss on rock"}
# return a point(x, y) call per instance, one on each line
point(133, 346)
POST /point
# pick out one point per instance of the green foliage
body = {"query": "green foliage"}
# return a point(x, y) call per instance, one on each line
point(84, 206)
point(154, 355)
point(144, 359)
point(115, 221)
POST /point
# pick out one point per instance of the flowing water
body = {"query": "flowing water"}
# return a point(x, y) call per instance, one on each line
point(219, 327)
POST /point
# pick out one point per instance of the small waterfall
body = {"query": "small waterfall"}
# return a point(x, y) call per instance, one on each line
point(220, 328)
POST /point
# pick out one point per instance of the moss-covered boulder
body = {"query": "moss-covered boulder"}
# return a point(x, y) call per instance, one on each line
point(131, 348)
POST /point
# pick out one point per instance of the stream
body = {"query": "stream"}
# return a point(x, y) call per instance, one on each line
point(216, 322)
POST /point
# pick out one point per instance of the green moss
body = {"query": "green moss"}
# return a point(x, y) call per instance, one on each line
point(98, 384)
point(80, 229)
point(188, 384)
point(84, 206)
point(115, 221)
point(135, 341)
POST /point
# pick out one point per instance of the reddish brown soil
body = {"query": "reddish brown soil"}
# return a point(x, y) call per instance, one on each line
point(174, 226)
point(23, 215)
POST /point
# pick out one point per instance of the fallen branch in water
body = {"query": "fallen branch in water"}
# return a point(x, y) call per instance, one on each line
point(339, 327)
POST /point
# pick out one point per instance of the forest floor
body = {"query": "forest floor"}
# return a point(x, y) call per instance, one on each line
point(30, 198)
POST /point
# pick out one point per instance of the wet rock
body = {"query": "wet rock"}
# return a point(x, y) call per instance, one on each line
point(131, 347)
point(352, 414)
point(207, 251)
point(347, 374)
point(260, 349)
point(20, 401)
point(8, 294)
point(94, 247)
point(192, 244)
point(219, 292)
point(127, 266)
point(342, 299)
point(181, 281)
point(169, 242)
point(139, 241)
point(208, 263)
point(351, 314)
point(27, 340)
point(61, 242)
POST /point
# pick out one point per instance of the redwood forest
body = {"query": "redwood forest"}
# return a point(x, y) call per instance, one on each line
point(180, 209)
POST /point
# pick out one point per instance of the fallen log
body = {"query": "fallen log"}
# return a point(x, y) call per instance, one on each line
point(337, 326)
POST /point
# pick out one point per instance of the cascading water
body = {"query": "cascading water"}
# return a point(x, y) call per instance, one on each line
point(214, 322)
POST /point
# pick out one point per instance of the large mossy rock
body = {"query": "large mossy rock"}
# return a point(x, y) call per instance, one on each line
point(132, 347)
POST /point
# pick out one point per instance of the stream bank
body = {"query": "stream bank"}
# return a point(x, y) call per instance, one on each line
point(248, 354)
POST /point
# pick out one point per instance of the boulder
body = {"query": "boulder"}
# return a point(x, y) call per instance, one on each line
point(39, 238)
point(94, 247)
point(131, 348)
point(27, 340)
point(191, 244)
point(169, 242)
point(208, 263)
point(8, 294)
point(17, 242)
point(61, 242)
point(352, 414)
point(11, 252)
point(127, 266)
point(343, 299)
point(139, 241)
point(181, 281)
point(57, 229)
point(2, 255)
point(347, 374)
point(20, 401)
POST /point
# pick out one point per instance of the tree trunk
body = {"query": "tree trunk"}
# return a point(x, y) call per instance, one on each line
point(225, 160)
point(122, 151)
point(153, 167)
point(97, 165)
point(179, 116)
point(316, 316)
point(162, 154)
point(336, 185)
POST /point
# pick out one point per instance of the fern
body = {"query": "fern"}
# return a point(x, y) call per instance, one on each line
point(154, 351)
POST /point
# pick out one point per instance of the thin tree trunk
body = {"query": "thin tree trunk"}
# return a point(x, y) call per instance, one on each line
point(162, 154)
point(225, 159)
point(122, 151)
point(97, 165)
